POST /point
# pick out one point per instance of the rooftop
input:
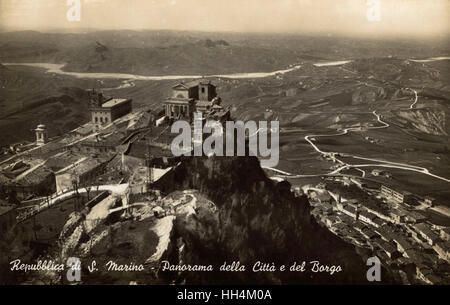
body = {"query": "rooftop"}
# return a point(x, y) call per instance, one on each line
point(350, 209)
point(115, 101)
point(81, 166)
point(62, 160)
point(416, 215)
point(398, 213)
point(378, 221)
point(83, 130)
point(140, 149)
point(404, 243)
point(112, 139)
point(36, 175)
point(387, 247)
point(367, 215)
point(143, 120)
point(425, 229)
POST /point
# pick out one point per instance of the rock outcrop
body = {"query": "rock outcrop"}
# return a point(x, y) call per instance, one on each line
point(256, 220)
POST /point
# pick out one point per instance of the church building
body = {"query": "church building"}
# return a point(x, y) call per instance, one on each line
point(188, 97)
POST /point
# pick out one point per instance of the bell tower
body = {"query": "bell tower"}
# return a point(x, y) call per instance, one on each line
point(96, 98)
point(41, 134)
point(206, 91)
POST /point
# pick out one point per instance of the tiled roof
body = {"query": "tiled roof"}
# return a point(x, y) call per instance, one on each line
point(36, 176)
point(425, 229)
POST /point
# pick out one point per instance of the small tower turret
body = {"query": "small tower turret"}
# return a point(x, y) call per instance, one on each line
point(41, 134)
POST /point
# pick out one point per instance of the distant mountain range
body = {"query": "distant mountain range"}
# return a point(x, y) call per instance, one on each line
point(171, 52)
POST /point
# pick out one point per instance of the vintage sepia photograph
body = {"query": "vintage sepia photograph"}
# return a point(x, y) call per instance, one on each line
point(224, 142)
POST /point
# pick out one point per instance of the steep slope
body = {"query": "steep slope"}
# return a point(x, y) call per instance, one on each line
point(235, 214)
point(255, 220)
point(429, 121)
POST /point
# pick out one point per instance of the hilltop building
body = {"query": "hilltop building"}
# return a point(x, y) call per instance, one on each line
point(104, 110)
point(192, 96)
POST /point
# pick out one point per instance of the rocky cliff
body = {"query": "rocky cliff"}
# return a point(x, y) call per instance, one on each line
point(210, 211)
point(255, 219)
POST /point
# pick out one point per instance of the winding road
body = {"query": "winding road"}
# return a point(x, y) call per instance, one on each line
point(379, 163)
point(415, 99)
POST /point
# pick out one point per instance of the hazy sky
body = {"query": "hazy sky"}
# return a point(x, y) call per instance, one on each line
point(397, 17)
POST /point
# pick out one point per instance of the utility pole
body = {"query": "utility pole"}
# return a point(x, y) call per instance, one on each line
point(148, 159)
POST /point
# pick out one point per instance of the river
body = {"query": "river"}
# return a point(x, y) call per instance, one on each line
point(431, 59)
point(57, 69)
point(332, 63)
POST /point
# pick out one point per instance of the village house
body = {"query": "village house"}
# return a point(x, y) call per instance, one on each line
point(385, 232)
point(353, 203)
point(398, 216)
point(379, 172)
point(368, 233)
point(79, 173)
point(323, 197)
point(340, 206)
point(144, 153)
point(368, 218)
point(102, 144)
point(142, 121)
point(402, 243)
point(377, 222)
point(429, 201)
point(350, 211)
point(425, 231)
point(415, 217)
point(38, 180)
point(388, 248)
point(445, 233)
point(443, 250)
point(330, 220)
point(379, 213)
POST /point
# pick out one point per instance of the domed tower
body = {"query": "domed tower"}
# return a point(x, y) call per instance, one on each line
point(41, 134)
